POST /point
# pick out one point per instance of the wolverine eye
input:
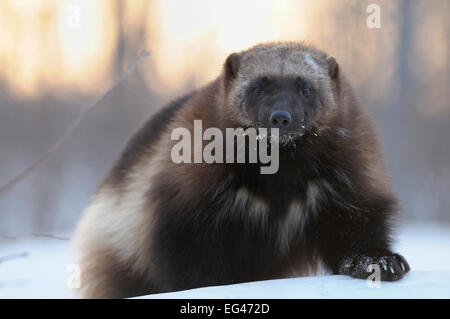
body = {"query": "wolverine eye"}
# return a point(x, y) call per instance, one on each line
point(258, 91)
point(306, 92)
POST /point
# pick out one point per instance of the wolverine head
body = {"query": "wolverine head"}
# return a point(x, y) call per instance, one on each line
point(288, 86)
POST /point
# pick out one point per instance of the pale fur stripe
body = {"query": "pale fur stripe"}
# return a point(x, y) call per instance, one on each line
point(117, 227)
point(290, 225)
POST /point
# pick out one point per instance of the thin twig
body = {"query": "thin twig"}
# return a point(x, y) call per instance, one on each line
point(51, 236)
point(60, 142)
point(34, 235)
point(14, 256)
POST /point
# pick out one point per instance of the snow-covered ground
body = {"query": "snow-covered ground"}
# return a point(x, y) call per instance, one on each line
point(41, 271)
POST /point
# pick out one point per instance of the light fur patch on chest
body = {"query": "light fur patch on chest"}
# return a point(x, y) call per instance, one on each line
point(254, 208)
point(313, 195)
point(299, 213)
point(290, 225)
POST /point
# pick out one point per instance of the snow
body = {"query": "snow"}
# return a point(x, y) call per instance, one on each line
point(43, 272)
point(419, 284)
point(40, 275)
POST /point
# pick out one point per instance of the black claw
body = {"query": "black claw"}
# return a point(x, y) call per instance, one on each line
point(392, 266)
point(403, 263)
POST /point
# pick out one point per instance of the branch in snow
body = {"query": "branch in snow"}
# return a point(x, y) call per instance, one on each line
point(13, 256)
point(51, 236)
point(36, 235)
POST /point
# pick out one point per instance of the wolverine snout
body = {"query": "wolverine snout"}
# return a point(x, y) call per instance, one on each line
point(280, 119)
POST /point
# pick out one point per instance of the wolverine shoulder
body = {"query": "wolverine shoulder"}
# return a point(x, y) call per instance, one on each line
point(147, 136)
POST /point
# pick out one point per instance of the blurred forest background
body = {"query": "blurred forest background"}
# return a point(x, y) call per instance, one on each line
point(58, 56)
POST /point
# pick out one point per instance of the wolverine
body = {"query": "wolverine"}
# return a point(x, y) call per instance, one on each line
point(156, 226)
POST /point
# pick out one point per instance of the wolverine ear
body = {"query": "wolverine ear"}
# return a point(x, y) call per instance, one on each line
point(232, 66)
point(332, 66)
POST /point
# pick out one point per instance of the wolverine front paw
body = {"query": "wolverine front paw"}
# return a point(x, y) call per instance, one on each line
point(391, 266)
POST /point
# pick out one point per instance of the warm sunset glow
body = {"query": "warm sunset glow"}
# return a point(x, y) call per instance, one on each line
point(39, 48)
point(193, 39)
point(70, 43)
point(85, 49)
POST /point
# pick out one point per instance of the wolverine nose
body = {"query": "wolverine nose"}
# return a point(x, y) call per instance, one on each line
point(280, 119)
